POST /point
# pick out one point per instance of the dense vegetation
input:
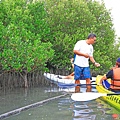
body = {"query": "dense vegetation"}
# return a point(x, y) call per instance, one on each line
point(24, 32)
point(35, 33)
point(73, 20)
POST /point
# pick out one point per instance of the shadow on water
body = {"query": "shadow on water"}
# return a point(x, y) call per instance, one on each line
point(60, 109)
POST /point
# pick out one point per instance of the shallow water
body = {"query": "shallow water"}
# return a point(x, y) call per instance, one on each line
point(59, 109)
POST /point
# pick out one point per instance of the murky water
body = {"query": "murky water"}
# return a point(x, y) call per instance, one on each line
point(59, 109)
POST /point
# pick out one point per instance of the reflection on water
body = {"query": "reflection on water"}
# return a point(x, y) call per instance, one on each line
point(94, 110)
point(17, 98)
point(60, 109)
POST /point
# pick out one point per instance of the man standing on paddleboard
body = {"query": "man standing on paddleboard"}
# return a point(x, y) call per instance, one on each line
point(84, 51)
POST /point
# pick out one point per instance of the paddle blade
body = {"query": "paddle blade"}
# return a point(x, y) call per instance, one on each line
point(86, 96)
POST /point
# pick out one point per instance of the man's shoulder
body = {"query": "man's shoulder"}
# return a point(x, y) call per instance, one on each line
point(110, 72)
point(81, 41)
point(91, 46)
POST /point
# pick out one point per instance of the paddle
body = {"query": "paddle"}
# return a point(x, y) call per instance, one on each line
point(64, 86)
point(89, 96)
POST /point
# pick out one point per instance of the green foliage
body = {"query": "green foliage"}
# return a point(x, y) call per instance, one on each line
point(70, 21)
point(30, 32)
point(105, 47)
point(73, 20)
point(24, 32)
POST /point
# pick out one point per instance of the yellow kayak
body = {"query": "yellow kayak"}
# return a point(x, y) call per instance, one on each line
point(113, 100)
point(106, 108)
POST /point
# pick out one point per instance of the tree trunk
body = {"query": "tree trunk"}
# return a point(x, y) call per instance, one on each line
point(25, 80)
point(24, 76)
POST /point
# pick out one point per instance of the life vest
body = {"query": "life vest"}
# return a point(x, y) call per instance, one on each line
point(115, 82)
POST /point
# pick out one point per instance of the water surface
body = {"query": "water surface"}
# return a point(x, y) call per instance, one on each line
point(59, 109)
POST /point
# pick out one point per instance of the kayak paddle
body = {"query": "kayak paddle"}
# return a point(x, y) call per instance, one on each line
point(89, 96)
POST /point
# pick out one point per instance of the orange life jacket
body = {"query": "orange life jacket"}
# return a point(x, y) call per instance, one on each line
point(115, 82)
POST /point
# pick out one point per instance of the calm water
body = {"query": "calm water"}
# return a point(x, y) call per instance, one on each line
point(59, 109)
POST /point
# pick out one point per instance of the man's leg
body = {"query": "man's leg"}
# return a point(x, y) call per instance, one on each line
point(88, 82)
point(77, 73)
point(87, 75)
point(77, 88)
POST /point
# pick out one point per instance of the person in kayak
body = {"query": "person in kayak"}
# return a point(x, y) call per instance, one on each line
point(70, 76)
point(84, 51)
point(114, 75)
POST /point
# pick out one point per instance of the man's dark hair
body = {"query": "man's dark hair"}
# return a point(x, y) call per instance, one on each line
point(91, 36)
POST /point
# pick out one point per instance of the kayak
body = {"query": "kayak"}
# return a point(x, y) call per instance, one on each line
point(106, 108)
point(60, 79)
point(113, 100)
